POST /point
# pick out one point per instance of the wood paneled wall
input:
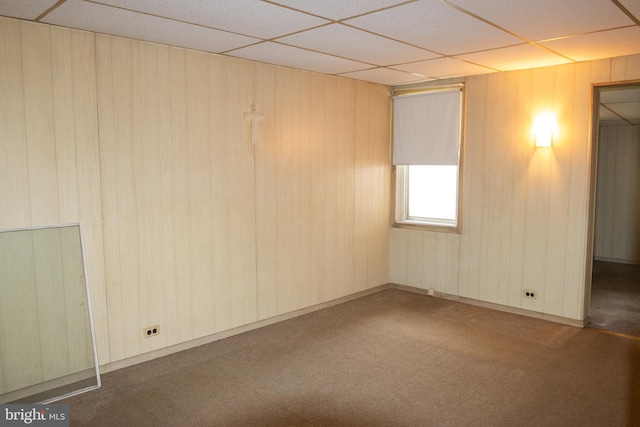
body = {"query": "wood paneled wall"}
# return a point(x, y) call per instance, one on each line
point(186, 223)
point(322, 188)
point(178, 175)
point(525, 210)
point(617, 226)
point(49, 154)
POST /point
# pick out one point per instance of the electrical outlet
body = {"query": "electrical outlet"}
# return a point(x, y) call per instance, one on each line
point(432, 291)
point(151, 331)
point(528, 293)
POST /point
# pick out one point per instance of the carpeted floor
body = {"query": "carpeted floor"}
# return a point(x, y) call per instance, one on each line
point(615, 298)
point(393, 358)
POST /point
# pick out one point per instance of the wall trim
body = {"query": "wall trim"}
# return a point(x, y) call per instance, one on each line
point(498, 307)
point(146, 357)
point(166, 351)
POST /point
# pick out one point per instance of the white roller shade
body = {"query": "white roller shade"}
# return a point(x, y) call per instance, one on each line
point(426, 128)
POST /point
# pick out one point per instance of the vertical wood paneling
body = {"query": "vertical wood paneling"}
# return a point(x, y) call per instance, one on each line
point(320, 175)
point(380, 184)
point(525, 213)
point(162, 302)
point(617, 236)
point(397, 256)
point(88, 184)
point(560, 186)
point(362, 186)
point(39, 117)
point(49, 168)
point(576, 302)
point(165, 187)
point(148, 177)
point(107, 117)
point(198, 233)
point(425, 259)
point(197, 243)
point(415, 257)
point(601, 219)
point(625, 68)
point(15, 209)
point(288, 221)
point(491, 180)
point(234, 196)
point(322, 191)
point(537, 203)
point(505, 243)
point(64, 124)
point(115, 124)
point(621, 197)
point(451, 282)
point(182, 288)
point(178, 159)
point(473, 177)
point(266, 189)
point(518, 158)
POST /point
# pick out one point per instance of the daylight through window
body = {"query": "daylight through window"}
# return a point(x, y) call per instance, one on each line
point(426, 152)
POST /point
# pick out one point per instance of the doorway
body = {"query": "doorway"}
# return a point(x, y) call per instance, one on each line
point(615, 272)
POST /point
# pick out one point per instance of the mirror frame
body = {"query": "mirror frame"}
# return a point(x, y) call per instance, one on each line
point(89, 313)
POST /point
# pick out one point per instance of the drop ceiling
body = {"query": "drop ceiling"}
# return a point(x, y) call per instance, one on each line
point(391, 42)
point(620, 106)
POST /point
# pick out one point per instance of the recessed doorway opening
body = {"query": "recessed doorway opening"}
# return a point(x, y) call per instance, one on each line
point(615, 274)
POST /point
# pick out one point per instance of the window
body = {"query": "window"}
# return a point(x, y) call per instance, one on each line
point(426, 153)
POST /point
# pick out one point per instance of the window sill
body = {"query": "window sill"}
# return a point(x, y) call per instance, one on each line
point(428, 227)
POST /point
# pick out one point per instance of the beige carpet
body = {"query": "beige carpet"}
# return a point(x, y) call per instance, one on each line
point(393, 358)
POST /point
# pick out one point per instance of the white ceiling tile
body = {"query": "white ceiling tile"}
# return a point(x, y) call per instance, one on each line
point(109, 20)
point(253, 18)
point(338, 9)
point(347, 42)
point(434, 25)
point(624, 94)
point(627, 110)
point(410, 36)
point(386, 76)
point(604, 44)
point(515, 58)
point(441, 68)
point(545, 19)
point(604, 113)
point(287, 56)
point(619, 102)
point(613, 122)
point(632, 6)
point(25, 9)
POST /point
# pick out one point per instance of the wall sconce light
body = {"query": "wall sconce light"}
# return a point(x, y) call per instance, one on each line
point(545, 128)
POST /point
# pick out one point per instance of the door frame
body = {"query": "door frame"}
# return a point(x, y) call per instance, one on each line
point(593, 176)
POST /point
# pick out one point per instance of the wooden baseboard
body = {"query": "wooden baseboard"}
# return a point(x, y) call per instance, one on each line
point(499, 307)
point(145, 357)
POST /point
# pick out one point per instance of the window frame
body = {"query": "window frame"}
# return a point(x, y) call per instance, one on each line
point(400, 178)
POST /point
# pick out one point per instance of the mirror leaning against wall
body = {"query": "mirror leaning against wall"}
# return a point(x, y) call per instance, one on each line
point(47, 344)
